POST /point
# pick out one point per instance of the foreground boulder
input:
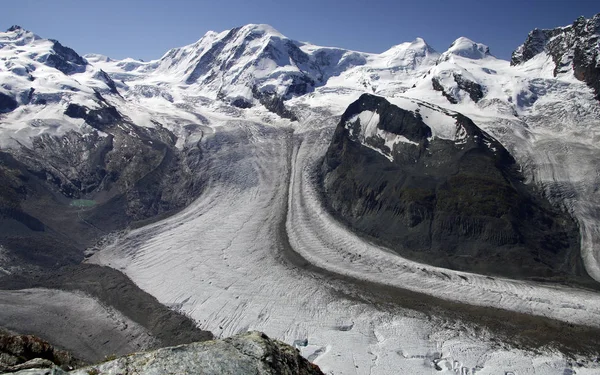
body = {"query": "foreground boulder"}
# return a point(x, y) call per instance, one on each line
point(19, 352)
point(248, 353)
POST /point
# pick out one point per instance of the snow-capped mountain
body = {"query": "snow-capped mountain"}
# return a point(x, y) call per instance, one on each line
point(574, 48)
point(280, 175)
point(255, 64)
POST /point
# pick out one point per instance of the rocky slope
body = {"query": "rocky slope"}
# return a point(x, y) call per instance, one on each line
point(18, 352)
point(457, 203)
point(88, 161)
point(249, 353)
point(572, 48)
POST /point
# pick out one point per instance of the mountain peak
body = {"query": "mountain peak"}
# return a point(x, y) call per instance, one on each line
point(14, 28)
point(419, 42)
point(573, 48)
point(465, 47)
point(261, 29)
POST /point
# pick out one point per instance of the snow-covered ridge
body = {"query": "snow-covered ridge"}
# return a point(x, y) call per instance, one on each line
point(239, 65)
point(465, 47)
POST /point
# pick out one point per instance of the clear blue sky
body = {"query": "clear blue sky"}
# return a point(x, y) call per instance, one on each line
point(147, 29)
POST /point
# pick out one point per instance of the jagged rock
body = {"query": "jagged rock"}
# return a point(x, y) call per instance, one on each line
point(437, 86)
point(474, 89)
point(458, 204)
point(274, 103)
point(102, 76)
point(65, 59)
point(574, 46)
point(20, 352)
point(100, 119)
point(248, 353)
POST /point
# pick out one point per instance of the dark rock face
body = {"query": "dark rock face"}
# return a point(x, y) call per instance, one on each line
point(574, 46)
point(437, 86)
point(101, 119)
point(65, 59)
point(474, 89)
point(274, 103)
point(101, 75)
point(456, 204)
point(14, 28)
point(7, 103)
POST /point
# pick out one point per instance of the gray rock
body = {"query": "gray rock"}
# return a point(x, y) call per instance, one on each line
point(248, 353)
point(572, 47)
point(41, 371)
point(22, 352)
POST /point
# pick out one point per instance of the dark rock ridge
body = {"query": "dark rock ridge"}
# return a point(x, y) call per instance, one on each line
point(104, 77)
point(575, 46)
point(65, 59)
point(474, 89)
point(437, 86)
point(456, 204)
point(274, 103)
point(247, 353)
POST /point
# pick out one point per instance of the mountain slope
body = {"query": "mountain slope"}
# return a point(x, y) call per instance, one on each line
point(573, 48)
point(449, 195)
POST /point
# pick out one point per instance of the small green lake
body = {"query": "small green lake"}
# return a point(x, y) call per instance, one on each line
point(83, 203)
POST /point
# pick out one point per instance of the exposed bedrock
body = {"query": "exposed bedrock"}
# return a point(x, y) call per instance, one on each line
point(247, 353)
point(573, 47)
point(460, 204)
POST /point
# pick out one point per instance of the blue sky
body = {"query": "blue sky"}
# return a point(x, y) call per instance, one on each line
point(147, 29)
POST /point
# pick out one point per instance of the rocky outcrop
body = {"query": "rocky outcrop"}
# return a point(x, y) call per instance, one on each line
point(100, 119)
point(572, 47)
point(274, 103)
point(65, 59)
point(248, 353)
point(459, 204)
point(102, 76)
point(474, 89)
point(20, 352)
point(437, 86)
